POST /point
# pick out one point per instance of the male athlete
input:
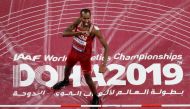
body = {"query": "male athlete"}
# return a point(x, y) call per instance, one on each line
point(83, 33)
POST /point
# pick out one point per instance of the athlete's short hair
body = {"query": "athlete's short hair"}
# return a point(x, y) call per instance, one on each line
point(85, 11)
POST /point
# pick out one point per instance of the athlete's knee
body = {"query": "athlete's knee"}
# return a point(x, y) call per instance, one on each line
point(67, 72)
point(68, 69)
point(88, 78)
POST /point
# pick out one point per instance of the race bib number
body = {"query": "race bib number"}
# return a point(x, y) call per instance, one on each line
point(79, 44)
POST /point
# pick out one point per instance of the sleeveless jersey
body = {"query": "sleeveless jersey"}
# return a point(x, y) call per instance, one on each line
point(83, 43)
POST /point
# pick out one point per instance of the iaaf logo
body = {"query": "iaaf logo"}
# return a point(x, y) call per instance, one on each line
point(172, 73)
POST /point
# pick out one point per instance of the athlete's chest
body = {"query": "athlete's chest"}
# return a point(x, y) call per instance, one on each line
point(84, 36)
point(82, 41)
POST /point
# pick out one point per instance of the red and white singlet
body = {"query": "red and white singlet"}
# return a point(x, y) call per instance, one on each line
point(81, 50)
point(83, 43)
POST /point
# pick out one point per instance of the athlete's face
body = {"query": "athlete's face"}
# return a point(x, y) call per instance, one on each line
point(85, 18)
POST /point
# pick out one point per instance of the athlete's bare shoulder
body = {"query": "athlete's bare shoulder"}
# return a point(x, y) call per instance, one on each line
point(95, 30)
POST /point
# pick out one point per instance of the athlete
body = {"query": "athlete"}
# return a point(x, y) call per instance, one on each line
point(83, 33)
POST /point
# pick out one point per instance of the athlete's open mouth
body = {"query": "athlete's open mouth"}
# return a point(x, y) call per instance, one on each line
point(86, 24)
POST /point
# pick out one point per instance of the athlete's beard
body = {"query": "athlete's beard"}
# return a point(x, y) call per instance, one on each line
point(86, 24)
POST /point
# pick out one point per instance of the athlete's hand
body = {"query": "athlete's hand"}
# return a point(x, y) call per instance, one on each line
point(78, 33)
point(82, 33)
point(102, 68)
point(85, 33)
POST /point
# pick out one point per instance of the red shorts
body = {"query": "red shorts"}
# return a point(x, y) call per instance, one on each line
point(84, 59)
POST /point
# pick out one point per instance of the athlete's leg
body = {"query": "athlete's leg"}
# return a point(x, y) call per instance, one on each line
point(71, 61)
point(68, 69)
point(86, 68)
point(90, 83)
point(95, 99)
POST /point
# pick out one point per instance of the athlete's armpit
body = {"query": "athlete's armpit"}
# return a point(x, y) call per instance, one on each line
point(69, 30)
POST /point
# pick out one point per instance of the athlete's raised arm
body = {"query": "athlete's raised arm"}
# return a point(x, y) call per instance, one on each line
point(69, 31)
